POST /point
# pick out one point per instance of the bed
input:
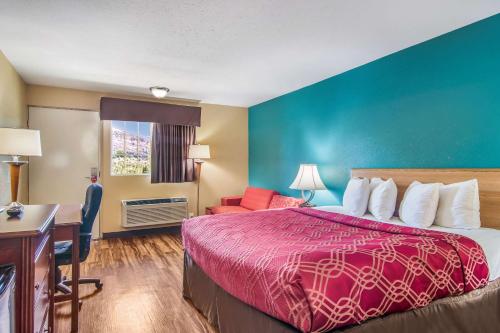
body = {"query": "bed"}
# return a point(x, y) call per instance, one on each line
point(250, 279)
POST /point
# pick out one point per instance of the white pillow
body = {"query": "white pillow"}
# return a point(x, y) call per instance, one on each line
point(382, 203)
point(356, 196)
point(459, 205)
point(419, 204)
point(374, 182)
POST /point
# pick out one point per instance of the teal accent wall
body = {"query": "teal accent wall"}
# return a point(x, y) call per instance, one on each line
point(433, 105)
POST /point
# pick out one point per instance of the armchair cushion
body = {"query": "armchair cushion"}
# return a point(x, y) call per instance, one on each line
point(231, 201)
point(281, 201)
point(229, 209)
point(257, 198)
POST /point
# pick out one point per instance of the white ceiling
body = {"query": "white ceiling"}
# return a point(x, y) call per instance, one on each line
point(235, 52)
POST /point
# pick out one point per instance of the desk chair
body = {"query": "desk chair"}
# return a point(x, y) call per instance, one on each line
point(63, 249)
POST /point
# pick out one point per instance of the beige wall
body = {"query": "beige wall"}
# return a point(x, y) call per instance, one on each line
point(13, 113)
point(224, 128)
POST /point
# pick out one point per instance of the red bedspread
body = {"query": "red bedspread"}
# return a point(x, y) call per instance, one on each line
point(318, 270)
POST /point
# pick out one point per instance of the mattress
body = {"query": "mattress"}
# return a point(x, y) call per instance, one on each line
point(476, 311)
point(487, 238)
point(317, 270)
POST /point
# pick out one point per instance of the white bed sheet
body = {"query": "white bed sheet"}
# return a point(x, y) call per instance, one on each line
point(488, 239)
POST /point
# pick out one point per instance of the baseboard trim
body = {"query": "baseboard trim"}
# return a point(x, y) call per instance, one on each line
point(142, 232)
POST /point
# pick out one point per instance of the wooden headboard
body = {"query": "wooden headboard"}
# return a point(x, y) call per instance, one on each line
point(489, 185)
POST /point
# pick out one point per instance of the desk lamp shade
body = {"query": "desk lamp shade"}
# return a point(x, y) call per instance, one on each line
point(18, 142)
point(308, 179)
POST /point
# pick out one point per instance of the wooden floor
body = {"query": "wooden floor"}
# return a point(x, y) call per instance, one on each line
point(142, 289)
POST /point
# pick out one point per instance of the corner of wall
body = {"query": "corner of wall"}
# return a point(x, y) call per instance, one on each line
point(13, 113)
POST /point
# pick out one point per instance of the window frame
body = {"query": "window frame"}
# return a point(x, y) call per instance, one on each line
point(111, 149)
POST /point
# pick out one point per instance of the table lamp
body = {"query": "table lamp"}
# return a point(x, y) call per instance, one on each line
point(308, 179)
point(18, 142)
point(199, 153)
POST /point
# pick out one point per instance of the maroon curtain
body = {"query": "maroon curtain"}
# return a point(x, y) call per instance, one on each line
point(169, 153)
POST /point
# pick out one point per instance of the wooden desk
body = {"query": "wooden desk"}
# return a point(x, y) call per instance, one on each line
point(67, 227)
point(27, 242)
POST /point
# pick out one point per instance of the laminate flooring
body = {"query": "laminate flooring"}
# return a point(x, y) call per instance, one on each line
point(142, 290)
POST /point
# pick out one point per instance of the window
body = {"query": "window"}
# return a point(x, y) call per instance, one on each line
point(130, 148)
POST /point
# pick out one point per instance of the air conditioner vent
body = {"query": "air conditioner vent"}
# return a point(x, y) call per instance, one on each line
point(154, 212)
point(153, 201)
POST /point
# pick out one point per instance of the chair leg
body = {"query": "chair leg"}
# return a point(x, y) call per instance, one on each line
point(63, 288)
point(97, 282)
point(60, 286)
point(58, 275)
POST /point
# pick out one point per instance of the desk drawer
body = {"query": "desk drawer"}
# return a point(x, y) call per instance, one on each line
point(42, 291)
point(41, 311)
point(42, 267)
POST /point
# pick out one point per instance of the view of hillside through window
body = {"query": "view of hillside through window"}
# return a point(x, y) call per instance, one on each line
point(130, 148)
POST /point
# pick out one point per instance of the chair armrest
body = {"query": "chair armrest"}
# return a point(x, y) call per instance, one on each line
point(231, 201)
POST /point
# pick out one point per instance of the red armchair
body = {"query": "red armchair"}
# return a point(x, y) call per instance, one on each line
point(254, 199)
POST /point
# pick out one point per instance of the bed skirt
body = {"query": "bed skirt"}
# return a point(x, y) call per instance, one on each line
point(476, 311)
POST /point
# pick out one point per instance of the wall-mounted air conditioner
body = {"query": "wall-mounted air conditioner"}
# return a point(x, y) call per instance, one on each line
point(154, 212)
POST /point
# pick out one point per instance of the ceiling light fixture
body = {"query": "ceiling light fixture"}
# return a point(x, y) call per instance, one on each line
point(159, 92)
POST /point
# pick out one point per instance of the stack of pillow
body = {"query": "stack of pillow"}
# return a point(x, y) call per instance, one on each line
point(454, 205)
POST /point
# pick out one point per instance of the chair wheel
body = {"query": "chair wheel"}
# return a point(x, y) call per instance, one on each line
point(99, 285)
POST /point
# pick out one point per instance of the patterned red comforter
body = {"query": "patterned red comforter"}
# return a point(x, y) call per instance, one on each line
point(318, 270)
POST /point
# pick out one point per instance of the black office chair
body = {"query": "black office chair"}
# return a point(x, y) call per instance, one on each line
point(63, 249)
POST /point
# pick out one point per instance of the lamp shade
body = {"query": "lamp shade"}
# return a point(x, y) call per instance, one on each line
point(308, 178)
point(199, 151)
point(20, 142)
